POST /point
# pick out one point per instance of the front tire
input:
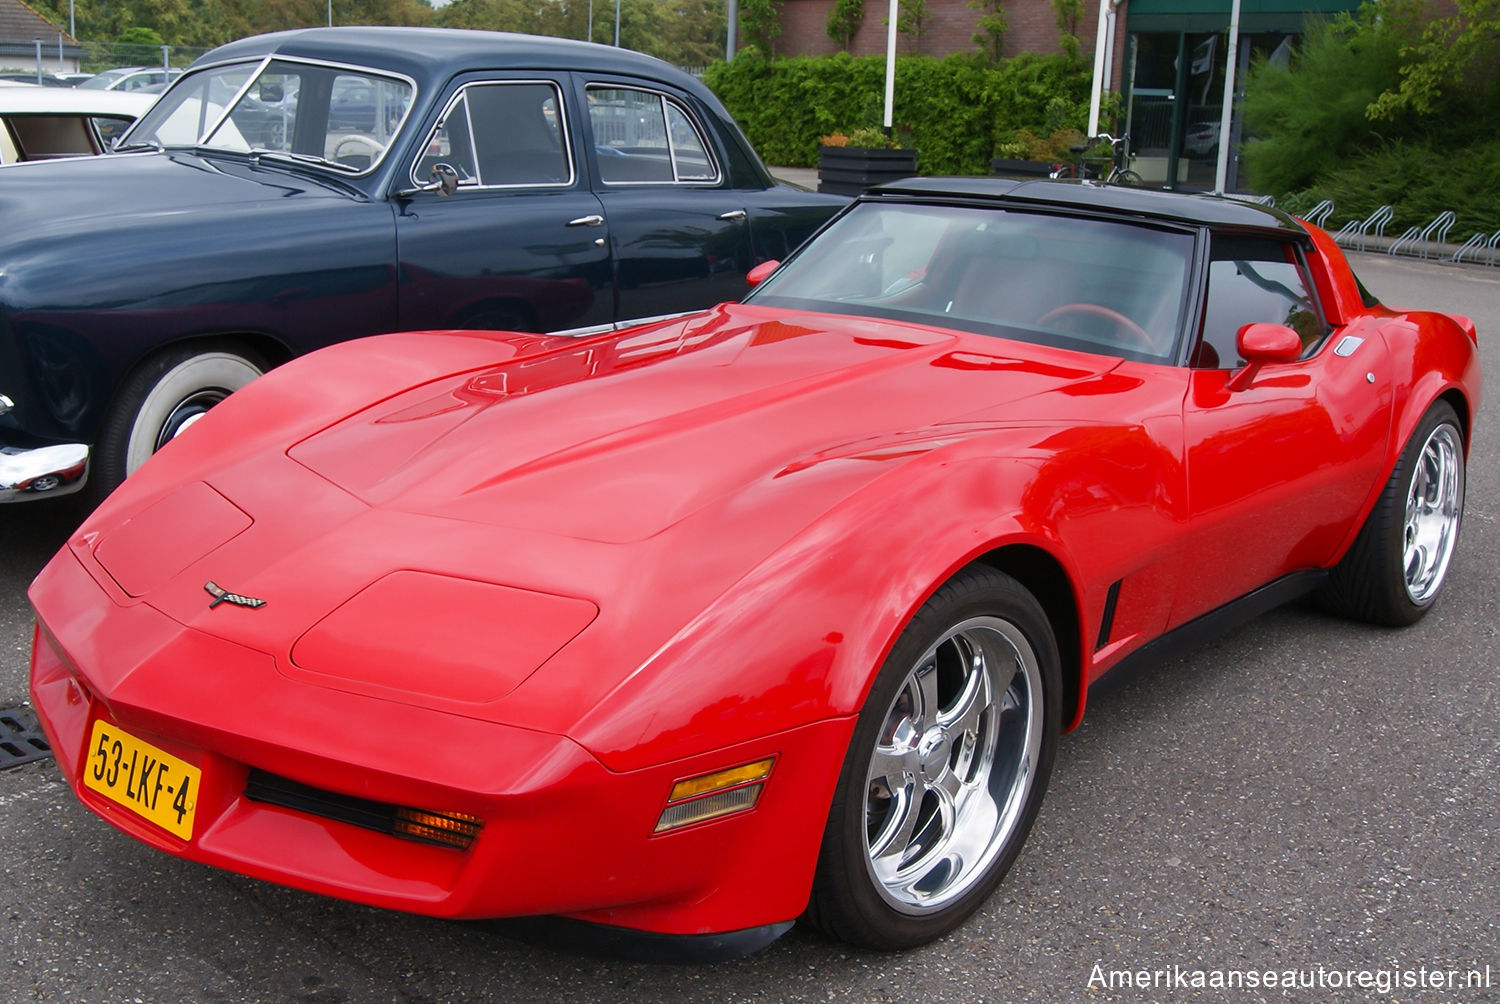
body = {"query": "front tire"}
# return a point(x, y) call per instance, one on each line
point(946, 770)
point(161, 399)
point(1396, 567)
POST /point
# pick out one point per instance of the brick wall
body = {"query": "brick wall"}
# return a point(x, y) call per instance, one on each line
point(949, 28)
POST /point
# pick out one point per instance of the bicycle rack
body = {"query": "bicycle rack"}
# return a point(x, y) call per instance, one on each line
point(1420, 241)
point(1356, 233)
point(1478, 244)
point(1320, 213)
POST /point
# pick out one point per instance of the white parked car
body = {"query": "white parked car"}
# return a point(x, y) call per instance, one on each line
point(41, 123)
point(147, 79)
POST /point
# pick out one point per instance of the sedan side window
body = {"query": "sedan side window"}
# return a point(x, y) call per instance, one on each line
point(644, 137)
point(1249, 280)
point(501, 135)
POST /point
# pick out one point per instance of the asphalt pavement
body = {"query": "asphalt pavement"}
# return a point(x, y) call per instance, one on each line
point(1306, 798)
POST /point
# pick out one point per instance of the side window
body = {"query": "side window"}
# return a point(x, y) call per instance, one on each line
point(501, 135)
point(1254, 279)
point(642, 136)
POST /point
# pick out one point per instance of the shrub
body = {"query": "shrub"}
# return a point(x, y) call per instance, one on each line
point(1418, 180)
point(955, 110)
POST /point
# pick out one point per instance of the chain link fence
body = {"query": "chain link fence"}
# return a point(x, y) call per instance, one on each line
point(52, 56)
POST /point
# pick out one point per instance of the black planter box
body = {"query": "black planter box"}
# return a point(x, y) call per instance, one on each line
point(849, 170)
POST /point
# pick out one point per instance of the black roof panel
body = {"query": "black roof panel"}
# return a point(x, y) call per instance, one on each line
point(1202, 209)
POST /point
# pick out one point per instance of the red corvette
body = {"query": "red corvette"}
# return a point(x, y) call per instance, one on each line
point(775, 611)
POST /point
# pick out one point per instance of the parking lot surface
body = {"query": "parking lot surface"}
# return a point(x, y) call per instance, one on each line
point(1305, 797)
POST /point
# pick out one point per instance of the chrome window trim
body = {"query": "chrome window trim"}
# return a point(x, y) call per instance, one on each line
point(461, 95)
point(693, 124)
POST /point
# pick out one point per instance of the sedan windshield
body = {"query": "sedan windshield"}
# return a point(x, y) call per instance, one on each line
point(337, 116)
point(1090, 284)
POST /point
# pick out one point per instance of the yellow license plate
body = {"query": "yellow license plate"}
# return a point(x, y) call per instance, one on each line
point(151, 783)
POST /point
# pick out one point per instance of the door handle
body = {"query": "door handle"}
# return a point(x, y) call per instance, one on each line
point(587, 221)
point(733, 214)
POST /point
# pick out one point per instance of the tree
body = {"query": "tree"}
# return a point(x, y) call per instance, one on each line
point(912, 20)
point(1067, 14)
point(992, 26)
point(761, 21)
point(844, 20)
point(1453, 52)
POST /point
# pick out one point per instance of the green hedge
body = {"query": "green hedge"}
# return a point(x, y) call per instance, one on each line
point(954, 110)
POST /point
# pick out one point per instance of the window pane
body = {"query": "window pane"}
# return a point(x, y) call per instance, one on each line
point(630, 135)
point(518, 137)
point(688, 155)
point(1253, 281)
point(184, 114)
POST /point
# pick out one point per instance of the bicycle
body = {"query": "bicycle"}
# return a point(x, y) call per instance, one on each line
point(1119, 157)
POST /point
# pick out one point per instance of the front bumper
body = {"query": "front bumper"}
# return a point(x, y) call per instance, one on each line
point(562, 835)
point(43, 472)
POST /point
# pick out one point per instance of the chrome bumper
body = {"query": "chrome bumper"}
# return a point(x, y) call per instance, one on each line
point(47, 471)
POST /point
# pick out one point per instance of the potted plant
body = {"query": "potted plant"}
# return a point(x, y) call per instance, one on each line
point(1024, 154)
point(849, 163)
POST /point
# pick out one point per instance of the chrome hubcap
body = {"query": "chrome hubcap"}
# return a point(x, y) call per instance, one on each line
point(186, 413)
point(1434, 507)
point(952, 766)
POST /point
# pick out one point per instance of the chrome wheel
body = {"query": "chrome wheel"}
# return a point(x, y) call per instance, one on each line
point(1434, 507)
point(954, 761)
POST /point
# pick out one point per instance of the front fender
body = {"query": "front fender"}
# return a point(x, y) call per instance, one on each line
point(800, 637)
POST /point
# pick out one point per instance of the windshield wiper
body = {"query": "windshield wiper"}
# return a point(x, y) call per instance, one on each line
point(304, 158)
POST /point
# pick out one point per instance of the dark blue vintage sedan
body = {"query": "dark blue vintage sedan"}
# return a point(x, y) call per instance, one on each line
point(306, 187)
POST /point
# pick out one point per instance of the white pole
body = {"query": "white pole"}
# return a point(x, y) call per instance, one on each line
point(734, 26)
point(1097, 91)
point(890, 65)
point(1231, 63)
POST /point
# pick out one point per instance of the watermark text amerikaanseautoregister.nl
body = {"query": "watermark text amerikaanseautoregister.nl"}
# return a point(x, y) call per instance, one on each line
point(1382, 980)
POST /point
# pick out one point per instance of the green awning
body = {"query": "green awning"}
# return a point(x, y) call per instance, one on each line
point(1206, 15)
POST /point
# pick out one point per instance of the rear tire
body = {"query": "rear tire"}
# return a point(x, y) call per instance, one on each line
point(946, 770)
point(1396, 567)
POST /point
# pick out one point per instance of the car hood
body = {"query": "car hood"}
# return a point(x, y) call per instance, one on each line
point(102, 198)
point(617, 439)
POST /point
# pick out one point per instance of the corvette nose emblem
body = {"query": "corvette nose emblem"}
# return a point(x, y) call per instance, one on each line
point(222, 595)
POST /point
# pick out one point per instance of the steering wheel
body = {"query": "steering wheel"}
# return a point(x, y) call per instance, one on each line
point(1135, 333)
point(359, 144)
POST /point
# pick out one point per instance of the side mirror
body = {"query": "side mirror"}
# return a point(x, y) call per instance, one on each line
point(1259, 344)
point(757, 275)
point(443, 180)
point(271, 92)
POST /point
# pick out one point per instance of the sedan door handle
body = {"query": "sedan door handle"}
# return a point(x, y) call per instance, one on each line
point(587, 221)
point(733, 214)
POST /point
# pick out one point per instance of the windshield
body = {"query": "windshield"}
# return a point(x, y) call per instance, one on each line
point(342, 117)
point(1089, 284)
point(101, 81)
